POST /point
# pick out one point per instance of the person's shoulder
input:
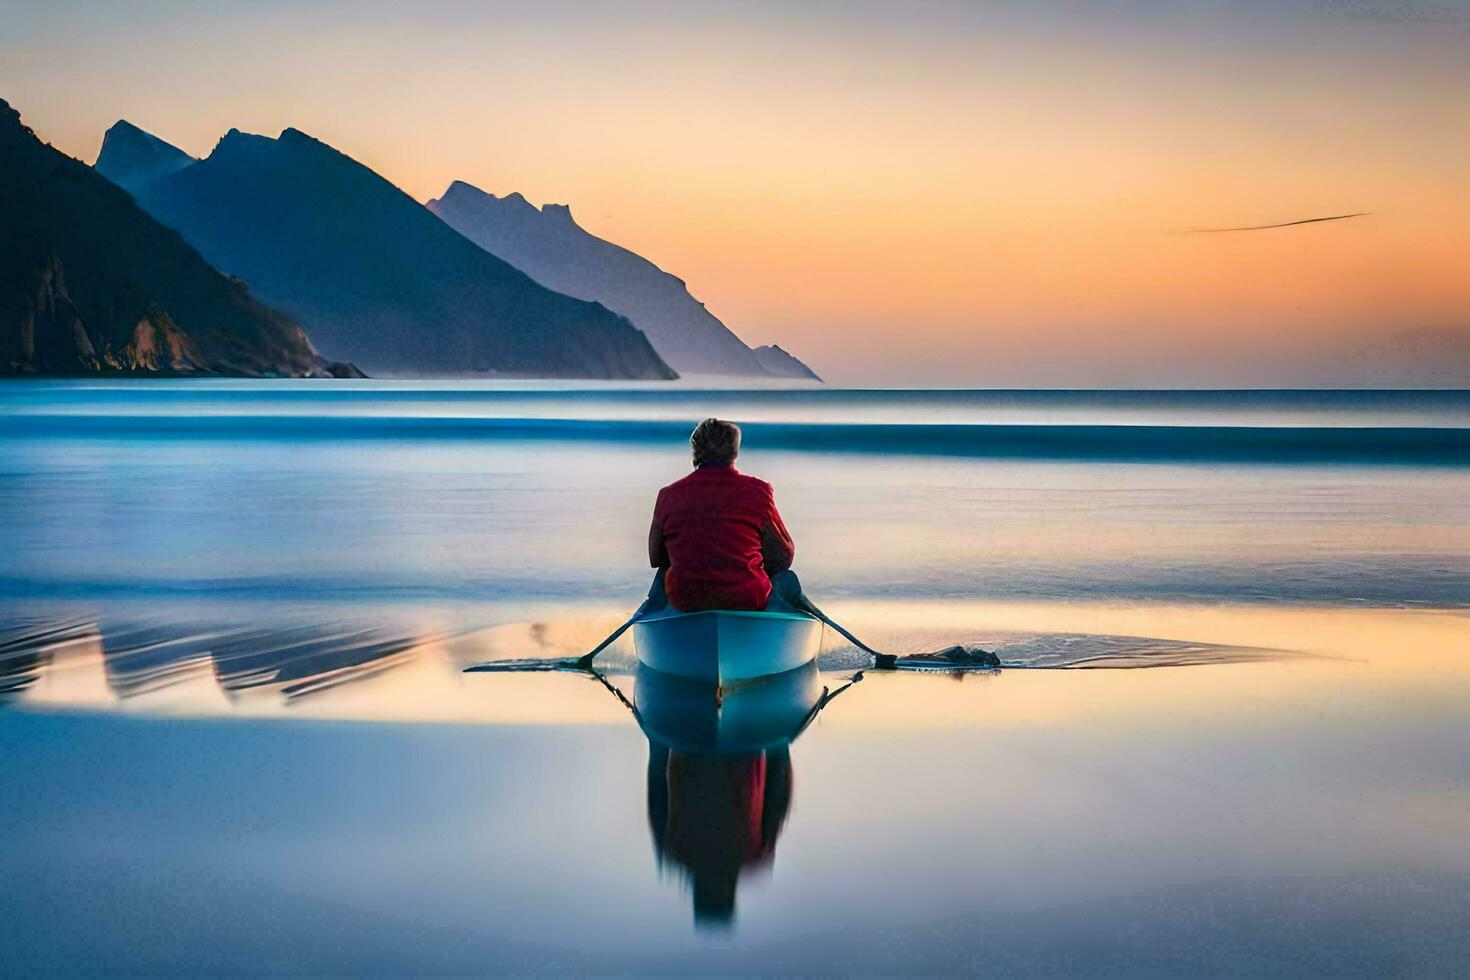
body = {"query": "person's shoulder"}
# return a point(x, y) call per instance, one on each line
point(679, 484)
point(666, 497)
point(756, 483)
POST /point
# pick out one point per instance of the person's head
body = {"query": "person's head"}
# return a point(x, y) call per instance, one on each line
point(715, 441)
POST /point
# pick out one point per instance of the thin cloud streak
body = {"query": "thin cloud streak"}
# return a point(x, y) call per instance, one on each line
point(1283, 224)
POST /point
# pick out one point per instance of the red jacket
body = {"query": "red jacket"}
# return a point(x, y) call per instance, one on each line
point(718, 533)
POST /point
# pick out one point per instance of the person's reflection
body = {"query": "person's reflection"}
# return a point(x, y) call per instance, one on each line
point(719, 772)
point(714, 816)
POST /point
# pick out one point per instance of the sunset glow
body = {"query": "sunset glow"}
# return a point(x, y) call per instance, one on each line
point(957, 196)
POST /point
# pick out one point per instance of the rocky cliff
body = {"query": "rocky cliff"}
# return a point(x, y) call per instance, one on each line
point(89, 283)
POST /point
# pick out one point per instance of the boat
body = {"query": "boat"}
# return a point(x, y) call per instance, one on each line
point(727, 647)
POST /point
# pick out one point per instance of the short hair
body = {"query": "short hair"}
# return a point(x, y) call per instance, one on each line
point(715, 441)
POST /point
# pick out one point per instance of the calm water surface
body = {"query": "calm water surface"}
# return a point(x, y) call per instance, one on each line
point(1229, 735)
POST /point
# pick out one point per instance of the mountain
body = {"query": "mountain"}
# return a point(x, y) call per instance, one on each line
point(778, 363)
point(89, 283)
point(553, 249)
point(374, 276)
point(131, 158)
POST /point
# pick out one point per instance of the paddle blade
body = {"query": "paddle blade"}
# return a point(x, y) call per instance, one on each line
point(955, 658)
point(539, 664)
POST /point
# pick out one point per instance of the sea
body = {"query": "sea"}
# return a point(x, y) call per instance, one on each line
point(1227, 736)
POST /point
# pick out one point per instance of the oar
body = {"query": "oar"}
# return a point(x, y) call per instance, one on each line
point(794, 594)
point(883, 661)
point(585, 661)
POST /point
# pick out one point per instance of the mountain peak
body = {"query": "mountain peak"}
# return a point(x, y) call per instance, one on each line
point(293, 135)
point(11, 126)
point(458, 190)
point(783, 364)
point(559, 212)
point(236, 141)
point(124, 128)
point(462, 187)
point(132, 157)
point(233, 135)
point(463, 193)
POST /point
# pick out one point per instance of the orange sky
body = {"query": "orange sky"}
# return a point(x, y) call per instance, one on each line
point(910, 194)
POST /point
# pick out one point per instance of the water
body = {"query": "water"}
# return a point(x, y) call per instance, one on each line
point(239, 739)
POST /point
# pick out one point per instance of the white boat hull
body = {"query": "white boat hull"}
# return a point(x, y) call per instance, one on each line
point(724, 646)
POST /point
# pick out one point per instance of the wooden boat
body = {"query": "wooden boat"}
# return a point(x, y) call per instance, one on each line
point(727, 647)
point(768, 712)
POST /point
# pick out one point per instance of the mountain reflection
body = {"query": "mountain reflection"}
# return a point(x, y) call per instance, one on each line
point(25, 650)
point(90, 664)
point(305, 661)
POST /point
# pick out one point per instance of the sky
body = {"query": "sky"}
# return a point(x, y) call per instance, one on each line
point(914, 193)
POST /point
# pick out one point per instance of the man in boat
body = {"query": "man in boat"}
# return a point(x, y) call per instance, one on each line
point(716, 536)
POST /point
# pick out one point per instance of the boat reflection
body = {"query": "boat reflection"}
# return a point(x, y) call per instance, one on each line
point(720, 777)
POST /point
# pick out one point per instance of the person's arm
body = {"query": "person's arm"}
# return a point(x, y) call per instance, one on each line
point(777, 548)
point(658, 552)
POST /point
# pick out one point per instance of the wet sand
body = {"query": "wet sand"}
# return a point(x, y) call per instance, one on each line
point(1298, 813)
